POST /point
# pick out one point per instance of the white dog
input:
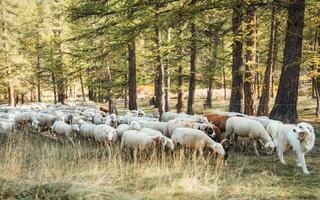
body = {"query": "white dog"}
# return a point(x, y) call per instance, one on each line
point(301, 137)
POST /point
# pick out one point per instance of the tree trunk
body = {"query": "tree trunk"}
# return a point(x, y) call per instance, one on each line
point(249, 76)
point(82, 88)
point(160, 69)
point(285, 108)
point(193, 60)
point(263, 108)
point(22, 99)
point(237, 62)
point(54, 87)
point(132, 76)
point(38, 70)
point(167, 79)
point(212, 65)
point(60, 71)
point(180, 73)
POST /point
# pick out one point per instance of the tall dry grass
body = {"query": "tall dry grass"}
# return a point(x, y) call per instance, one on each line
point(33, 167)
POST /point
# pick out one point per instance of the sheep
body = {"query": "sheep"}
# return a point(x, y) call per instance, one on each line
point(23, 119)
point(248, 128)
point(111, 120)
point(165, 141)
point(167, 116)
point(6, 127)
point(64, 130)
point(195, 139)
point(105, 133)
point(127, 119)
point(193, 118)
point(87, 131)
point(45, 120)
point(298, 136)
point(133, 139)
point(218, 120)
point(159, 126)
point(208, 128)
point(124, 127)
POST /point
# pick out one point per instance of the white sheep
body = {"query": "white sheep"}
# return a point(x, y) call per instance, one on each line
point(87, 131)
point(64, 130)
point(159, 126)
point(173, 124)
point(21, 120)
point(167, 116)
point(6, 127)
point(45, 120)
point(124, 127)
point(245, 127)
point(133, 139)
point(165, 141)
point(301, 140)
point(193, 118)
point(195, 139)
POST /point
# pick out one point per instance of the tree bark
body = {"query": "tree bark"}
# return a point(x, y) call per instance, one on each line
point(132, 76)
point(38, 70)
point(59, 75)
point(213, 65)
point(53, 77)
point(167, 79)
point(237, 62)
point(159, 66)
point(285, 108)
point(193, 60)
point(82, 88)
point(180, 73)
point(249, 76)
point(263, 108)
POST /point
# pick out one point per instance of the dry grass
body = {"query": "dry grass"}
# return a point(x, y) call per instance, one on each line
point(31, 167)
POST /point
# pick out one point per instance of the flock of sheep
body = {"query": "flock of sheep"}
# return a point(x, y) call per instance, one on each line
point(139, 131)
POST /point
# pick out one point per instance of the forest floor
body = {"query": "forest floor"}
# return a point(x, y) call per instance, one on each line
point(32, 167)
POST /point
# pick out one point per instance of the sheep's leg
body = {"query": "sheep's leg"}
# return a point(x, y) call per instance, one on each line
point(255, 147)
point(109, 152)
point(298, 162)
point(280, 151)
point(303, 162)
point(70, 139)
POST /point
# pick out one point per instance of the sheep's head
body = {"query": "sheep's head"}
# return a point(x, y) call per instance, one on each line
point(169, 143)
point(111, 135)
point(269, 144)
point(203, 120)
point(135, 126)
point(75, 128)
point(217, 147)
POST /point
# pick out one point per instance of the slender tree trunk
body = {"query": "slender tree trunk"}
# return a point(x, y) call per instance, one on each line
point(193, 70)
point(132, 76)
point(237, 62)
point(59, 75)
point(22, 99)
point(38, 70)
point(53, 77)
point(213, 65)
point(180, 73)
point(263, 108)
point(126, 92)
point(285, 108)
point(82, 88)
point(249, 76)
point(167, 78)
point(160, 69)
